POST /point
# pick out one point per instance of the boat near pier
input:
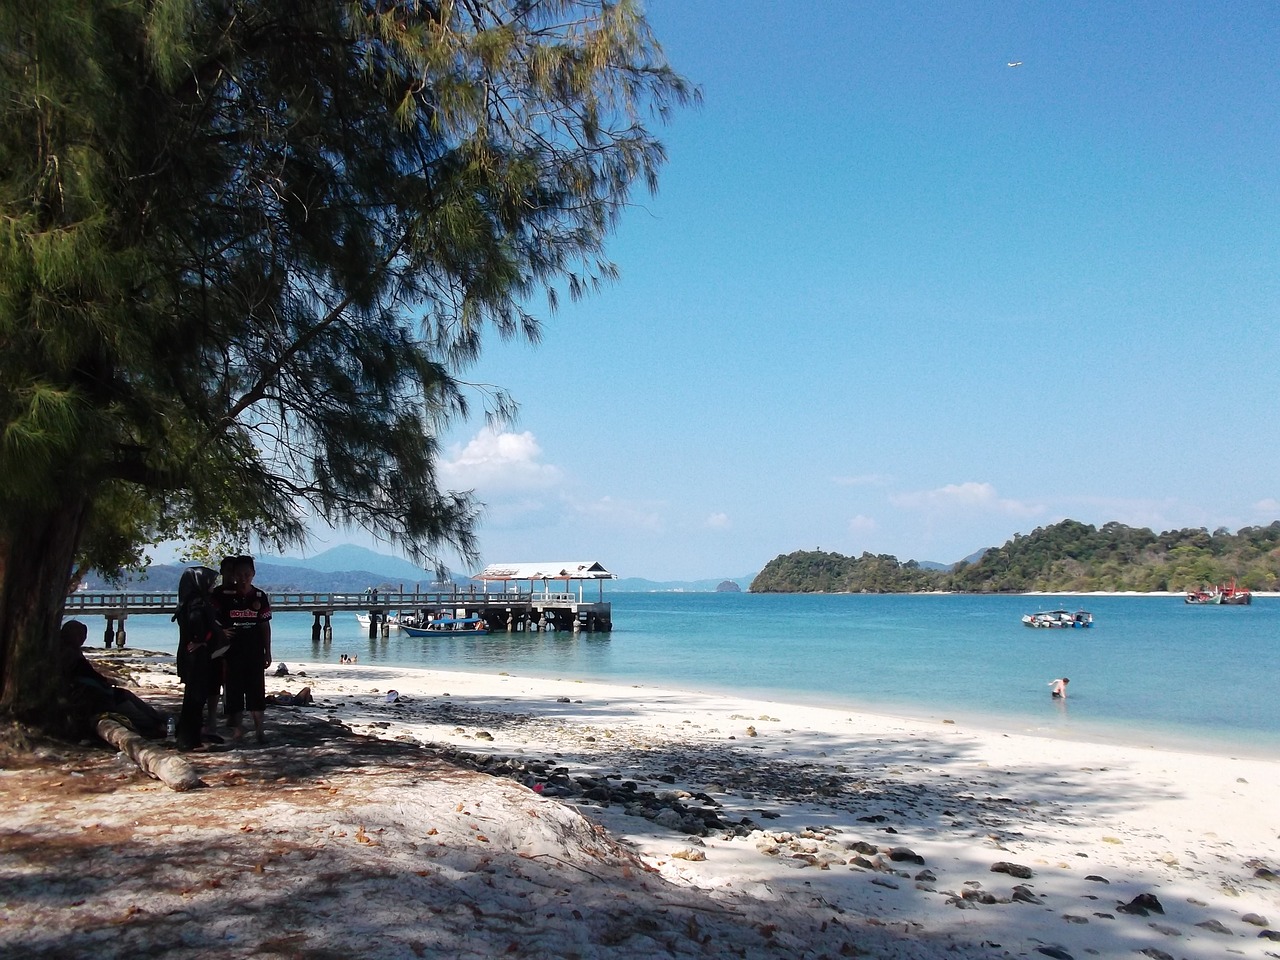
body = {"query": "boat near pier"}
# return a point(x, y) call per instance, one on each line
point(453, 627)
point(511, 597)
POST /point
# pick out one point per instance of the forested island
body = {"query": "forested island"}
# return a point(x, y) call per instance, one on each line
point(1070, 557)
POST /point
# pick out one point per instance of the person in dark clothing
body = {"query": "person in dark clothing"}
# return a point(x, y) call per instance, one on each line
point(244, 613)
point(199, 638)
point(91, 694)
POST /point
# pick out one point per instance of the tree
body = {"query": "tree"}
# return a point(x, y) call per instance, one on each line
point(250, 246)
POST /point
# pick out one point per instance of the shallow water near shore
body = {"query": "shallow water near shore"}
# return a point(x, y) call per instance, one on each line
point(1152, 670)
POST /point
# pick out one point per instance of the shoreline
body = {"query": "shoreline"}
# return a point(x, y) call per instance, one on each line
point(1175, 740)
point(955, 833)
point(1172, 739)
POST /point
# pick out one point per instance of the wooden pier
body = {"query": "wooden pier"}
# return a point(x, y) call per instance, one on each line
point(508, 607)
point(510, 610)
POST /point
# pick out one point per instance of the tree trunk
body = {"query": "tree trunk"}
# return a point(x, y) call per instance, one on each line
point(164, 765)
point(36, 560)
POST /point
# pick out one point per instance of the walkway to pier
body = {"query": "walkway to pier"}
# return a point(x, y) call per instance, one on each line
point(510, 608)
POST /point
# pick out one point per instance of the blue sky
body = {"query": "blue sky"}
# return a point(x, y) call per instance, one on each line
point(895, 295)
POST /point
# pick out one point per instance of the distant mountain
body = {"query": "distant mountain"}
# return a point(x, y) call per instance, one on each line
point(934, 565)
point(348, 568)
point(347, 557)
point(290, 575)
point(640, 585)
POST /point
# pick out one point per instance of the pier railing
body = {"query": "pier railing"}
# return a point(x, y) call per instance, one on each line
point(515, 610)
point(129, 604)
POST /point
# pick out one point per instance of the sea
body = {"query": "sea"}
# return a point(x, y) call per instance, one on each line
point(1151, 670)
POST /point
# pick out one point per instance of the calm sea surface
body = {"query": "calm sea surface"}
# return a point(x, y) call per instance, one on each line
point(1151, 670)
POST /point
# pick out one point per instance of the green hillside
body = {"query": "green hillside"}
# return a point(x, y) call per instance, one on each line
point(1069, 556)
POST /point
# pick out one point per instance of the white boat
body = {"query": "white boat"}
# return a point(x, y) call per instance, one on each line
point(392, 620)
point(1059, 619)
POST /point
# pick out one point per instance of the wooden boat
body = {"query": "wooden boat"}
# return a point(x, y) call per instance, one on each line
point(1235, 596)
point(1059, 619)
point(1224, 593)
point(448, 627)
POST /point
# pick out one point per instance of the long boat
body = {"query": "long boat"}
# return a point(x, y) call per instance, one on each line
point(1059, 619)
point(448, 627)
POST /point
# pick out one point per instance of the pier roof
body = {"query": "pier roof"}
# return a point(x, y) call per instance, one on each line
point(547, 570)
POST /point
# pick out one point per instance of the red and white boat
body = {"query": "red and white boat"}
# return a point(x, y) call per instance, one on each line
point(1223, 593)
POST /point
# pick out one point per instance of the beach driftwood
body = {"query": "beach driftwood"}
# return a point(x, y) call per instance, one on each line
point(154, 761)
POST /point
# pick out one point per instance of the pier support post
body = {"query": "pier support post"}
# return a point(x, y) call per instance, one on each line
point(315, 628)
point(109, 634)
point(328, 626)
point(373, 625)
point(120, 635)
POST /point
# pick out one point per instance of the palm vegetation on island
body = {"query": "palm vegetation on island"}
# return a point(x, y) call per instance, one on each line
point(1064, 557)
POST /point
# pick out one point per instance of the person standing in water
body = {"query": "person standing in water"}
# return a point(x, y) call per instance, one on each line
point(1058, 688)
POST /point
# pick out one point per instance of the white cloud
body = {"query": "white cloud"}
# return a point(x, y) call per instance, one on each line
point(958, 497)
point(495, 462)
point(1268, 508)
point(864, 480)
point(718, 521)
point(861, 524)
point(609, 512)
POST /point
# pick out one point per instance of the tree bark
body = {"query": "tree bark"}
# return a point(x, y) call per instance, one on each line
point(164, 765)
point(38, 554)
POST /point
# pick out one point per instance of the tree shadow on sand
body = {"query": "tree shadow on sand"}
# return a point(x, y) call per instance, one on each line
point(220, 870)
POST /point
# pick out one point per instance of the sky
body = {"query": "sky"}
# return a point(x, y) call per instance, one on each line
point(895, 295)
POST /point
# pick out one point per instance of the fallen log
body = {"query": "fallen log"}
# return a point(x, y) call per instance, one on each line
point(164, 765)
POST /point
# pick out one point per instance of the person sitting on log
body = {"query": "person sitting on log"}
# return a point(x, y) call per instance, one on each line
point(90, 694)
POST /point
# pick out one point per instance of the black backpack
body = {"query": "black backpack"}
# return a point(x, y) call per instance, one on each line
point(194, 615)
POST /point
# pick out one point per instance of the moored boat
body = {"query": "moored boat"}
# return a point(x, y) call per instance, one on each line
point(1235, 596)
point(448, 627)
point(392, 620)
point(1059, 619)
point(1223, 593)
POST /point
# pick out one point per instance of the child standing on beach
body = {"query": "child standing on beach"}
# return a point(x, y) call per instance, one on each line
point(244, 612)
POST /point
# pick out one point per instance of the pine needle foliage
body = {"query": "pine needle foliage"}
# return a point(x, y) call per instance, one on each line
point(259, 241)
point(249, 247)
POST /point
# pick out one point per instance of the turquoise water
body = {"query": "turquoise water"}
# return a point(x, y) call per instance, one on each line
point(1152, 670)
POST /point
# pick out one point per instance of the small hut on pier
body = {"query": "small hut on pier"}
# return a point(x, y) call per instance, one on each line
point(557, 608)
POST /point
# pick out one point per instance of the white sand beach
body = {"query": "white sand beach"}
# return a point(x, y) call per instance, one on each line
point(477, 815)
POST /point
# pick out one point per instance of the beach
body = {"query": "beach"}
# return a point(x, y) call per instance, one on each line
point(412, 812)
